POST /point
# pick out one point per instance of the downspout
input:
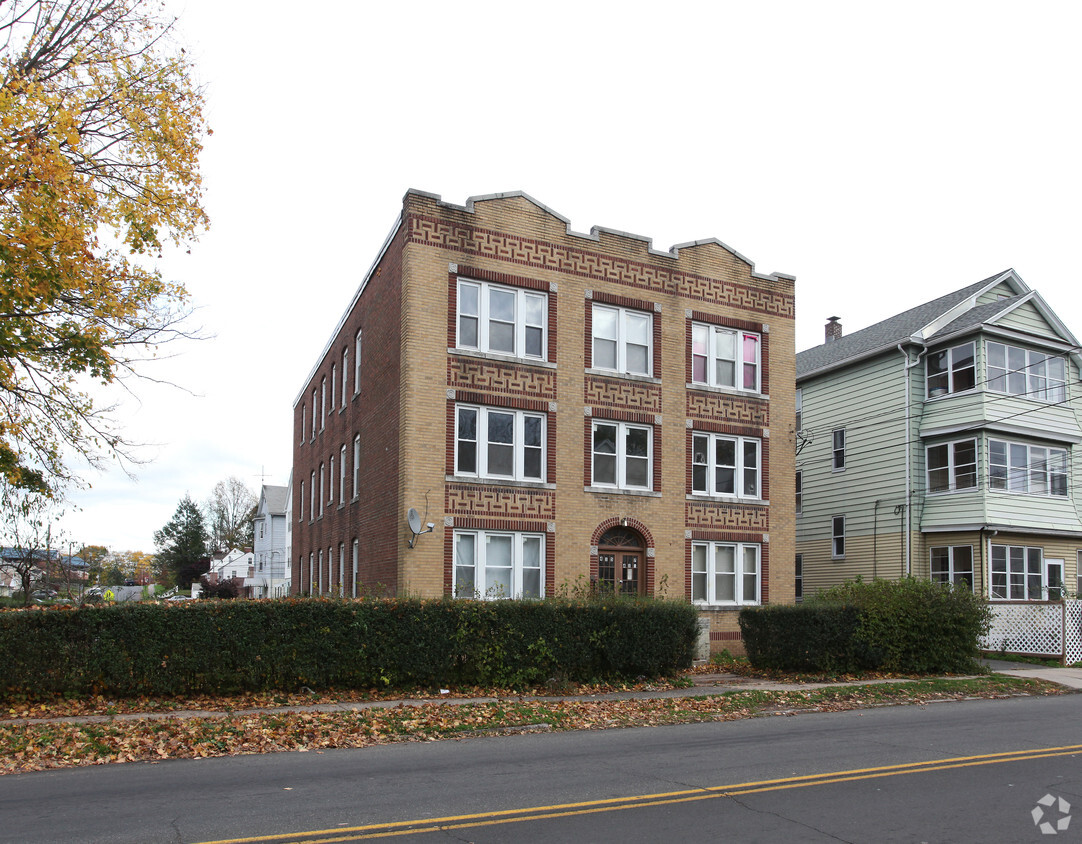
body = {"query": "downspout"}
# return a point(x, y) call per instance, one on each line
point(875, 538)
point(909, 456)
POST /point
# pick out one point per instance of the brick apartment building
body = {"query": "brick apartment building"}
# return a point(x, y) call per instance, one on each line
point(564, 409)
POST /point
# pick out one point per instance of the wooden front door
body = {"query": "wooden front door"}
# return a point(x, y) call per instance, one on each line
point(620, 553)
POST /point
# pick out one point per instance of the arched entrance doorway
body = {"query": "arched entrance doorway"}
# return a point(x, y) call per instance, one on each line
point(621, 561)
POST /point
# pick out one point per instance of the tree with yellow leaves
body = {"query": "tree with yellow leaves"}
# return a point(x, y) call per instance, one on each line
point(101, 127)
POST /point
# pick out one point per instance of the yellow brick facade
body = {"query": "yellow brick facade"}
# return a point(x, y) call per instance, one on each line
point(512, 241)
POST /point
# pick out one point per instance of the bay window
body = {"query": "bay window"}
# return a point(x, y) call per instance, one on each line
point(952, 466)
point(1030, 469)
point(1025, 372)
point(952, 370)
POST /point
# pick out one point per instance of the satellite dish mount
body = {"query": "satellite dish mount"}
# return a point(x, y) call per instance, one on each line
point(413, 520)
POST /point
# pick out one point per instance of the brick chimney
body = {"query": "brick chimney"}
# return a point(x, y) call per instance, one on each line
point(833, 329)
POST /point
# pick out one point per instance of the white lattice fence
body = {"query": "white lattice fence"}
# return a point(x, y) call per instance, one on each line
point(1026, 628)
point(1072, 642)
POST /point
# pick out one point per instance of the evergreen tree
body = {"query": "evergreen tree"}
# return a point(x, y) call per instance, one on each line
point(182, 544)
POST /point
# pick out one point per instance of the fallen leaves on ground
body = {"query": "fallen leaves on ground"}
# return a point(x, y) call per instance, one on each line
point(41, 745)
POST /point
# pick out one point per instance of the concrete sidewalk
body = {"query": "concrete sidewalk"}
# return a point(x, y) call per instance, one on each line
point(704, 684)
point(1070, 677)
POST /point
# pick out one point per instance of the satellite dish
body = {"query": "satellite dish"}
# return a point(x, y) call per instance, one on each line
point(413, 518)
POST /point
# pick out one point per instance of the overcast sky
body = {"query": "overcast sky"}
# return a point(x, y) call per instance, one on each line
point(882, 154)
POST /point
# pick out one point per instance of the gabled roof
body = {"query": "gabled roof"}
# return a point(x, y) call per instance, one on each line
point(945, 315)
point(275, 498)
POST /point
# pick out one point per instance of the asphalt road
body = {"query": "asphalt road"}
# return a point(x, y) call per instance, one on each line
point(968, 771)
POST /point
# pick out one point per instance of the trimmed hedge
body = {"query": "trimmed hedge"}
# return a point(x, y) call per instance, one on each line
point(908, 626)
point(221, 647)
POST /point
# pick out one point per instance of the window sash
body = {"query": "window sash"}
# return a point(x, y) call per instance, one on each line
point(495, 442)
point(725, 357)
point(838, 450)
point(356, 464)
point(725, 573)
point(952, 370)
point(622, 340)
point(502, 320)
point(622, 455)
point(499, 564)
point(952, 466)
point(1026, 372)
point(1027, 469)
point(357, 365)
point(1017, 573)
point(953, 564)
point(837, 537)
point(725, 466)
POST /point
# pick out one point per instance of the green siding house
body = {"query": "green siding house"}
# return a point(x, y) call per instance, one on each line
point(939, 443)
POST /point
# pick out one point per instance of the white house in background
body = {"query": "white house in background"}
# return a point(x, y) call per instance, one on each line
point(235, 563)
point(270, 576)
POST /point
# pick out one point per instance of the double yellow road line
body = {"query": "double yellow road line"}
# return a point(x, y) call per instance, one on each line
point(563, 810)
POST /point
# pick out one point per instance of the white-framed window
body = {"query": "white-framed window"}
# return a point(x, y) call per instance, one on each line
point(953, 564)
point(357, 364)
point(622, 455)
point(334, 384)
point(837, 450)
point(837, 537)
point(1017, 573)
point(315, 404)
point(300, 505)
point(345, 375)
point(341, 567)
point(323, 403)
point(799, 492)
point(1028, 469)
point(304, 420)
point(356, 558)
point(1025, 372)
point(724, 466)
point(725, 357)
point(342, 475)
point(322, 487)
point(623, 340)
point(312, 503)
point(504, 320)
point(493, 442)
point(724, 573)
point(356, 464)
point(952, 466)
point(319, 570)
point(330, 483)
point(499, 564)
point(798, 569)
point(951, 370)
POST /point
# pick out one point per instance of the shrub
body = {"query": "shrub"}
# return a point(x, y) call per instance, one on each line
point(907, 626)
point(217, 647)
